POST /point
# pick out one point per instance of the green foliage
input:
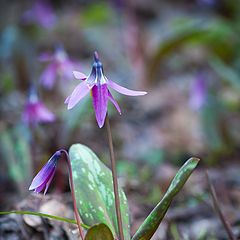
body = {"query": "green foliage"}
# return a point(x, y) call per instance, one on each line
point(99, 232)
point(45, 216)
point(14, 149)
point(94, 190)
point(99, 13)
point(151, 223)
point(214, 35)
point(226, 73)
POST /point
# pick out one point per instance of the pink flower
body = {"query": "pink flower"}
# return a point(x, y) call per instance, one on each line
point(59, 66)
point(40, 13)
point(98, 84)
point(35, 111)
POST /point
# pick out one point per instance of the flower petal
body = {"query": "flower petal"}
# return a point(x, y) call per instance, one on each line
point(49, 182)
point(79, 92)
point(100, 102)
point(46, 183)
point(79, 75)
point(49, 75)
point(67, 100)
point(124, 90)
point(46, 172)
point(43, 114)
point(114, 102)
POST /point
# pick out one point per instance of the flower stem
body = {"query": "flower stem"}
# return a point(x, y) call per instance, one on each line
point(218, 209)
point(79, 222)
point(115, 181)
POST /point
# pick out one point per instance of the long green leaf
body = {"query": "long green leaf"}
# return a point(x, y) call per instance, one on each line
point(99, 232)
point(94, 191)
point(170, 45)
point(44, 215)
point(151, 223)
point(227, 73)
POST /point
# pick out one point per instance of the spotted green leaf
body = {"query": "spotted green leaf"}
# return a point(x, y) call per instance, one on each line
point(99, 232)
point(151, 223)
point(94, 191)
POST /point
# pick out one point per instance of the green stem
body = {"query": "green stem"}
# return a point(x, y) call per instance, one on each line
point(115, 181)
point(46, 216)
point(79, 222)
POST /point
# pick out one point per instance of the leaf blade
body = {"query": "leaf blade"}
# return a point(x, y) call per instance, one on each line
point(45, 216)
point(94, 190)
point(99, 232)
point(151, 223)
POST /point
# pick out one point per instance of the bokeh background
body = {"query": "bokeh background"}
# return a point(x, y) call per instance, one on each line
point(185, 54)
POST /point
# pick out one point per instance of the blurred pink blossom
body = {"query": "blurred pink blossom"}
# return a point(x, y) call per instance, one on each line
point(40, 13)
point(35, 111)
point(59, 66)
point(198, 92)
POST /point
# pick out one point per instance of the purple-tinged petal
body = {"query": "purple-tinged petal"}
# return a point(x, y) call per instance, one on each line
point(49, 76)
point(49, 182)
point(79, 75)
point(79, 92)
point(44, 115)
point(114, 102)
point(124, 90)
point(45, 174)
point(67, 100)
point(100, 102)
point(46, 183)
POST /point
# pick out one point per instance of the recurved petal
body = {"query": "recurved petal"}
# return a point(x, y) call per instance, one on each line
point(124, 90)
point(100, 102)
point(114, 102)
point(79, 92)
point(79, 75)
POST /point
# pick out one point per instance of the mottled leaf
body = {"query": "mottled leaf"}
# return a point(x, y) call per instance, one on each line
point(94, 190)
point(151, 223)
point(99, 232)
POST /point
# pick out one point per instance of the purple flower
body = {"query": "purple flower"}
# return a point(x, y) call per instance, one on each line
point(43, 179)
point(35, 111)
point(60, 65)
point(198, 93)
point(41, 13)
point(206, 3)
point(98, 84)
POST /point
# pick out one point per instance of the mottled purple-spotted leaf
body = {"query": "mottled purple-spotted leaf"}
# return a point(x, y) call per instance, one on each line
point(99, 232)
point(94, 191)
point(151, 223)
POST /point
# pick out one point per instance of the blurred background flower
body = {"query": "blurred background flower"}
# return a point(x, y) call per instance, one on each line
point(35, 111)
point(40, 13)
point(59, 66)
point(199, 91)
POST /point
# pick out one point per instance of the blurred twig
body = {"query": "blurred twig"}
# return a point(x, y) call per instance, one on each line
point(218, 209)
